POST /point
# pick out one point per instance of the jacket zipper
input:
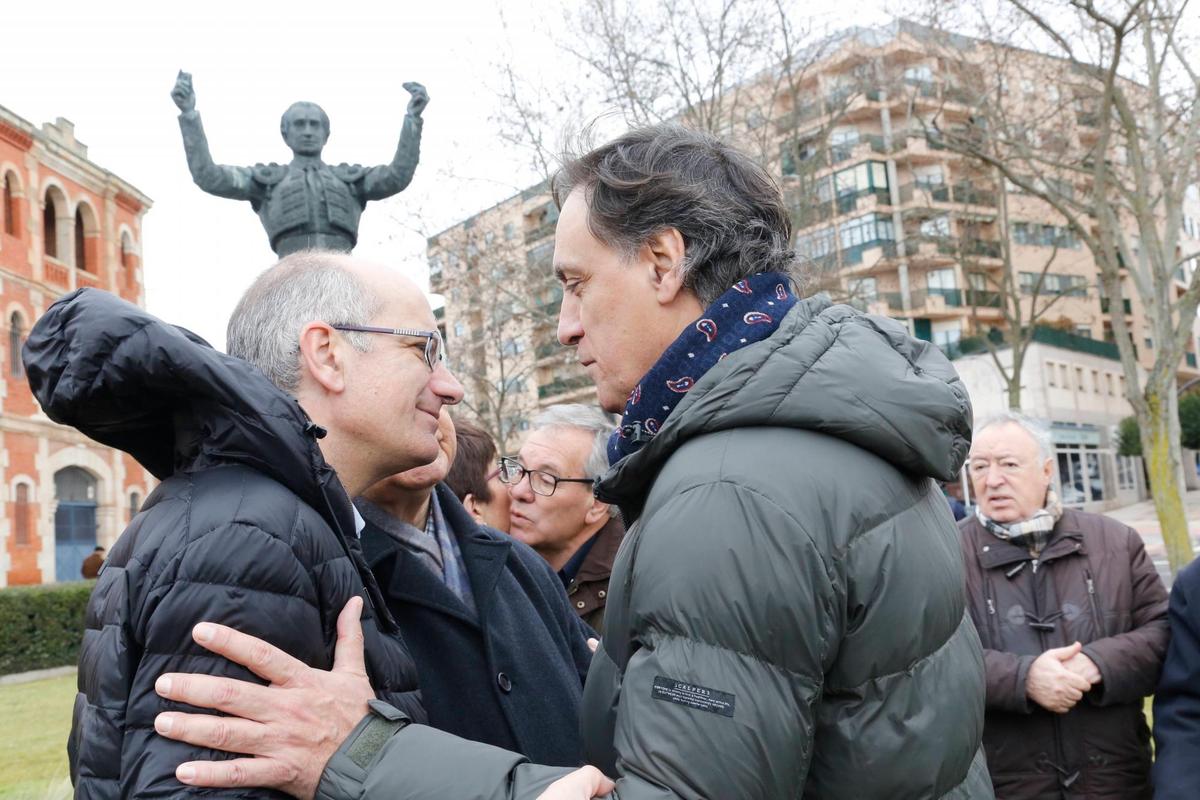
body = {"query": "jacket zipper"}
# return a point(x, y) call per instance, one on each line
point(1055, 719)
point(1097, 618)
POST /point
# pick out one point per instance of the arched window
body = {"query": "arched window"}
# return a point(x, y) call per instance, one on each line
point(80, 249)
point(9, 208)
point(135, 504)
point(16, 336)
point(126, 251)
point(23, 516)
point(50, 228)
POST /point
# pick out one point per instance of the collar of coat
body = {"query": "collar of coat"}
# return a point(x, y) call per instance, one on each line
point(598, 564)
point(1065, 540)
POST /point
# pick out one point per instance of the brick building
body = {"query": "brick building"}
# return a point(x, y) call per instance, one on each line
point(65, 223)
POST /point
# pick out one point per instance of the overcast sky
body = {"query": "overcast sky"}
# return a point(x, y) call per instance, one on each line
point(109, 68)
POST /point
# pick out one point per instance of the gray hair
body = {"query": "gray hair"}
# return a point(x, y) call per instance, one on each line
point(1036, 428)
point(728, 209)
point(304, 287)
point(586, 418)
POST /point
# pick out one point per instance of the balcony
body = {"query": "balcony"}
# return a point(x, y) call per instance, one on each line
point(563, 386)
point(540, 232)
point(1071, 341)
point(1105, 304)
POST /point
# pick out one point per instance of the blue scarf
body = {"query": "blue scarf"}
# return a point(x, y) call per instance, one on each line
point(748, 312)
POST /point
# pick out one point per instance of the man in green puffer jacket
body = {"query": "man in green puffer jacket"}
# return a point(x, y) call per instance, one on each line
point(786, 617)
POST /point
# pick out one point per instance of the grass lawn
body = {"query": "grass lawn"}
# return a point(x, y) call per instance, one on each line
point(34, 724)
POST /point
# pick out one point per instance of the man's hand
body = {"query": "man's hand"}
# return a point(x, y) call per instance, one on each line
point(183, 94)
point(582, 784)
point(292, 727)
point(1052, 685)
point(1084, 667)
point(419, 99)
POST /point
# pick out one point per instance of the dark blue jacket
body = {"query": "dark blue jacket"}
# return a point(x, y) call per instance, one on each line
point(511, 677)
point(1177, 701)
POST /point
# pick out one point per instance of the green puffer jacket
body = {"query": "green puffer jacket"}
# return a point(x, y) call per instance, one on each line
point(786, 616)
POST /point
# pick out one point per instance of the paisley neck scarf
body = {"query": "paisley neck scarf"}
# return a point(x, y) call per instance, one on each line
point(748, 312)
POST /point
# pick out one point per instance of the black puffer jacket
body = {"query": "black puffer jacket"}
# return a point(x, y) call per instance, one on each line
point(250, 528)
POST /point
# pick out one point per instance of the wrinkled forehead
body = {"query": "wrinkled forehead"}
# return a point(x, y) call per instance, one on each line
point(561, 448)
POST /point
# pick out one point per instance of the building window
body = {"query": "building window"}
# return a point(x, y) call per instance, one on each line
point(1062, 376)
point(1079, 387)
point(80, 248)
point(135, 505)
point(9, 208)
point(1126, 475)
point(50, 228)
point(22, 515)
point(1096, 381)
point(1112, 387)
point(1050, 374)
point(16, 335)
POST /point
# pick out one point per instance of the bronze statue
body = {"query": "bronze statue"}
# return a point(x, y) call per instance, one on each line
point(307, 203)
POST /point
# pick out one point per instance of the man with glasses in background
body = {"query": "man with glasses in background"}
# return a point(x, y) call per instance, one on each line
point(555, 511)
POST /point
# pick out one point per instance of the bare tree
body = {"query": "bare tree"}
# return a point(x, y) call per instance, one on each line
point(1110, 145)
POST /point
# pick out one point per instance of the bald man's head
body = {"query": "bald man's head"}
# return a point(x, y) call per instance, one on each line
point(309, 286)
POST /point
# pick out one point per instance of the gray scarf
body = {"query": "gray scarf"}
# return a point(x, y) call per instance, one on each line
point(1032, 533)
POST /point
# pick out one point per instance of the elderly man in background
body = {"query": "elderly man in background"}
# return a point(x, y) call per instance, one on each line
point(553, 509)
point(1072, 615)
point(474, 477)
point(500, 656)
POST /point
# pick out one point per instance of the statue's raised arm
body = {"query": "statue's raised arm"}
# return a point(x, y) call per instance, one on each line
point(235, 183)
point(387, 180)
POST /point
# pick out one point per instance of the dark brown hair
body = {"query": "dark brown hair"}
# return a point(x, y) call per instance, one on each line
point(729, 211)
point(475, 459)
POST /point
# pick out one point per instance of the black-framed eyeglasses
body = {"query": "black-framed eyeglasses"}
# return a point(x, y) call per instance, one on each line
point(543, 483)
point(435, 348)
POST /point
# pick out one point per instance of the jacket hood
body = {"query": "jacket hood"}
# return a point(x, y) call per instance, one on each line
point(162, 394)
point(830, 369)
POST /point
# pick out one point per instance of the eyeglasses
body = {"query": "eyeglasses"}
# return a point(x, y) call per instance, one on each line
point(543, 483)
point(435, 348)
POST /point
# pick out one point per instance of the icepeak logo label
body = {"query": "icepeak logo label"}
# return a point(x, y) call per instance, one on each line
point(691, 695)
point(708, 328)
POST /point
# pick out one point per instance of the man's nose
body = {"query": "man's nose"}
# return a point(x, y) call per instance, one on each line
point(570, 327)
point(445, 385)
point(522, 490)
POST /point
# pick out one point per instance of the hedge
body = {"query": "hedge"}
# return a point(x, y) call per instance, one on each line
point(42, 626)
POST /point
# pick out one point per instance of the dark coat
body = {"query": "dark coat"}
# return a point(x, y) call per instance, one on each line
point(1093, 584)
point(91, 566)
point(1177, 701)
point(786, 616)
point(588, 590)
point(249, 528)
point(511, 676)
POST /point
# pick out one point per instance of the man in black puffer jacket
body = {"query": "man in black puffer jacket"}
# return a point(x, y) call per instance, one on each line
point(251, 525)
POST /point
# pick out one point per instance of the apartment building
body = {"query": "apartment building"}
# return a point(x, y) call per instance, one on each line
point(886, 217)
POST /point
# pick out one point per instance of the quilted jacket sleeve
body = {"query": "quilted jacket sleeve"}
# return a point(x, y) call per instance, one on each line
point(718, 700)
point(1130, 662)
point(266, 592)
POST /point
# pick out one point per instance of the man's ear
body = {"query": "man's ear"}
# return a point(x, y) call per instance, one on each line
point(322, 357)
point(663, 254)
point(472, 507)
point(597, 512)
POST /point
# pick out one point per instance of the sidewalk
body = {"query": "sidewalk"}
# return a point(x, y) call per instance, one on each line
point(1141, 517)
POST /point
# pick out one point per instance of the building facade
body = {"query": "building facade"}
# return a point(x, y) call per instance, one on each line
point(65, 223)
point(889, 218)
